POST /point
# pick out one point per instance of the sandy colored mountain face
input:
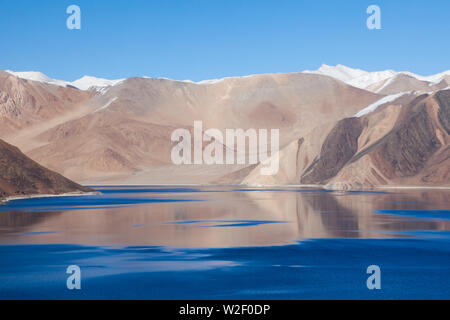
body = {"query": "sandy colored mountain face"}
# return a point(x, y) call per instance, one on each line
point(121, 135)
point(24, 103)
point(394, 145)
point(20, 175)
point(405, 83)
point(125, 136)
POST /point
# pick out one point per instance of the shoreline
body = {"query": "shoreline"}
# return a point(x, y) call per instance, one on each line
point(33, 196)
point(319, 186)
point(71, 194)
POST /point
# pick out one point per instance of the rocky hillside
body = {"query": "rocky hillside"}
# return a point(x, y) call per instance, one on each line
point(343, 128)
point(19, 175)
point(406, 142)
point(24, 103)
point(125, 137)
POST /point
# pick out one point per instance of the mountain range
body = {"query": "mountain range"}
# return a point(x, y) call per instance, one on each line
point(387, 81)
point(339, 127)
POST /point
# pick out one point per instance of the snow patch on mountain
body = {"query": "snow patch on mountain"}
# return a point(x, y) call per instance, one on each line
point(363, 79)
point(84, 83)
point(93, 83)
point(372, 107)
point(386, 83)
point(339, 72)
point(435, 78)
point(371, 78)
point(354, 77)
point(106, 105)
point(37, 76)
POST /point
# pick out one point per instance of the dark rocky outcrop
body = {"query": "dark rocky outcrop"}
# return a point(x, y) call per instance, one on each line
point(415, 151)
point(339, 147)
point(443, 98)
point(405, 150)
point(19, 175)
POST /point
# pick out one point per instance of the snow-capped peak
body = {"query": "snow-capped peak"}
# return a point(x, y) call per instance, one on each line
point(84, 83)
point(435, 78)
point(363, 79)
point(93, 83)
point(339, 71)
point(37, 76)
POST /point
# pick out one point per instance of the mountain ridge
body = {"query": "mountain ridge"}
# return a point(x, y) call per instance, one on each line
point(390, 146)
point(353, 76)
point(366, 80)
point(121, 133)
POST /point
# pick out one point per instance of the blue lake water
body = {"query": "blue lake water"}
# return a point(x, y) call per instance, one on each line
point(227, 243)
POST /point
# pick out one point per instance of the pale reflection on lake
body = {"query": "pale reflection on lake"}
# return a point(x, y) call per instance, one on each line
point(213, 217)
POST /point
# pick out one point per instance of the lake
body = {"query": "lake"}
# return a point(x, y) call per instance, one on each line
point(216, 242)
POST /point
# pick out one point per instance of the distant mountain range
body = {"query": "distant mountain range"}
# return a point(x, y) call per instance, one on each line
point(340, 127)
point(84, 83)
point(387, 81)
point(373, 81)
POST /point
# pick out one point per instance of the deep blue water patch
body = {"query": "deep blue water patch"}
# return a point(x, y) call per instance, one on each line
point(416, 266)
point(227, 223)
point(34, 233)
point(148, 190)
point(81, 202)
point(281, 190)
point(418, 214)
point(314, 269)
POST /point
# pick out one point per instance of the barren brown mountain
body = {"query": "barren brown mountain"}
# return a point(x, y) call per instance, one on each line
point(405, 83)
point(331, 133)
point(24, 103)
point(392, 146)
point(20, 176)
point(125, 137)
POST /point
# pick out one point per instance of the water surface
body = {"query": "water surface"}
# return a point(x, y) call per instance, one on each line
point(227, 243)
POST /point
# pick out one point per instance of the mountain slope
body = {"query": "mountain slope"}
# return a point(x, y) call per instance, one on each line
point(403, 142)
point(95, 84)
point(415, 152)
point(20, 176)
point(84, 83)
point(403, 83)
point(331, 132)
point(24, 103)
point(387, 81)
point(127, 133)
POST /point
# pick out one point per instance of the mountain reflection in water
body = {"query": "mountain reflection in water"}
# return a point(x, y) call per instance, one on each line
point(214, 217)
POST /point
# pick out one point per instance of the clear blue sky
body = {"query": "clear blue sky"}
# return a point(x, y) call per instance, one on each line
point(203, 39)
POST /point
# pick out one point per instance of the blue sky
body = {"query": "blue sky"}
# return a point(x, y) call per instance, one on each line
point(204, 39)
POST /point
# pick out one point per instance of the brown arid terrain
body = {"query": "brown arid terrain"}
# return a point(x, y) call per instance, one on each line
point(126, 134)
point(405, 83)
point(395, 145)
point(25, 103)
point(336, 130)
point(21, 176)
